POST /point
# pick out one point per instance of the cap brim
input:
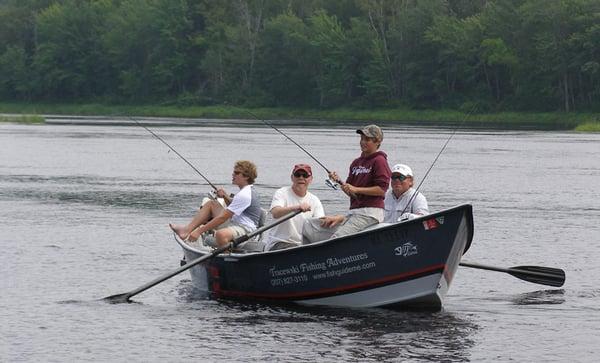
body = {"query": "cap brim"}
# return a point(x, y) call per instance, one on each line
point(304, 170)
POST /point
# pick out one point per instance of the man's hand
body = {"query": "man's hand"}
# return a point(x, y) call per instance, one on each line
point(332, 221)
point(335, 177)
point(349, 189)
point(304, 207)
point(221, 193)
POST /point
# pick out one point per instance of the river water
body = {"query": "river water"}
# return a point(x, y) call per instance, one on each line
point(84, 212)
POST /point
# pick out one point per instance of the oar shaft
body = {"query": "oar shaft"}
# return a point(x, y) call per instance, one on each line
point(187, 266)
point(237, 241)
point(508, 270)
point(484, 267)
point(536, 274)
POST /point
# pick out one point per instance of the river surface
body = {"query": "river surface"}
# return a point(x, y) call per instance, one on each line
point(84, 212)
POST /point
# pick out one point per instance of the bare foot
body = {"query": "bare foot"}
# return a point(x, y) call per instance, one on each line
point(180, 230)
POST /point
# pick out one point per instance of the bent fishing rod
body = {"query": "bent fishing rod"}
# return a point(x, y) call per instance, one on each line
point(327, 181)
point(436, 158)
point(175, 151)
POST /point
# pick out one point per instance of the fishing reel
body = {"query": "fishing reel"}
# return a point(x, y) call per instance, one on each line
point(212, 195)
point(332, 184)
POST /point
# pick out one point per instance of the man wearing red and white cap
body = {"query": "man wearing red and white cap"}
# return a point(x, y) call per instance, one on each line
point(289, 199)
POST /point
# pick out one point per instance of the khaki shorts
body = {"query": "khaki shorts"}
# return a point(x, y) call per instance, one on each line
point(237, 230)
point(313, 232)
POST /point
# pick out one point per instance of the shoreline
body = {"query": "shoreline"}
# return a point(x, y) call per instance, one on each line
point(191, 115)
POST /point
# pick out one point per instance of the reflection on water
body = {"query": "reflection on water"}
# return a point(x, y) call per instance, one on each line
point(541, 297)
point(351, 334)
point(335, 333)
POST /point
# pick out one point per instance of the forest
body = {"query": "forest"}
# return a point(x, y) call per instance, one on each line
point(503, 55)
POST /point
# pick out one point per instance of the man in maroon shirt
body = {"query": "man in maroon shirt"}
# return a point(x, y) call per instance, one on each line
point(367, 182)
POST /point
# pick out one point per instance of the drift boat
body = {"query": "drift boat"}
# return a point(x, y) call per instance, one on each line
point(403, 265)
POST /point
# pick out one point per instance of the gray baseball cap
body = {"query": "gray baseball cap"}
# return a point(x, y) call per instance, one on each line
point(372, 131)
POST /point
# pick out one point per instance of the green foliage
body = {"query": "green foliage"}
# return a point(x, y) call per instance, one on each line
point(501, 55)
point(68, 62)
point(589, 127)
point(147, 43)
point(22, 119)
point(15, 81)
point(285, 66)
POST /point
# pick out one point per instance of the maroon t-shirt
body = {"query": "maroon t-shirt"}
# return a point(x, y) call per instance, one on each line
point(368, 171)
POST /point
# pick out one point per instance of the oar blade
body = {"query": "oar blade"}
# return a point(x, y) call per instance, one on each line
point(118, 298)
point(539, 275)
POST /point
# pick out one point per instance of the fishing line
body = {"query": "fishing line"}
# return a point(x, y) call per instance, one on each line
point(327, 181)
point(175, 151)
point(436, 158)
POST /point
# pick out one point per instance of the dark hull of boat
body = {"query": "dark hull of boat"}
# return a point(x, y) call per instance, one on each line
point(402, 265)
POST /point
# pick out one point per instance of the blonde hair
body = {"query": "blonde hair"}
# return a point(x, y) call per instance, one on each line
point(248, 169)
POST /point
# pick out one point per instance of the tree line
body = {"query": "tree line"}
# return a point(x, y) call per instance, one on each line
point(524, 55)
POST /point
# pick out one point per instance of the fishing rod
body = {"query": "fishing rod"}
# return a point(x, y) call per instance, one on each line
point(436, 158)
point(175, 151)
point(329, 182)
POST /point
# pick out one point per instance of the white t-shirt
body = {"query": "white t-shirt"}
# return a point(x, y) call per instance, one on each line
point(291, 230)
point(245, 207)
point(394, 206)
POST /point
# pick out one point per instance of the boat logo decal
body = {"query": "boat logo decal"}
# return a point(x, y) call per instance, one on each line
point(407, 249)
point(440, 219)
point(431, 224)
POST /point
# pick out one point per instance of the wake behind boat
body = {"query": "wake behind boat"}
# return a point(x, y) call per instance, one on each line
point(402, 265)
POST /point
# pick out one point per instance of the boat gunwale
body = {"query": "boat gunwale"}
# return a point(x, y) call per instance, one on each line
point(246, 255)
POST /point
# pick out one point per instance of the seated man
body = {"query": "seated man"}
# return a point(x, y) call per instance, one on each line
point(401, 203)
point(289, 199)
point(240, 217)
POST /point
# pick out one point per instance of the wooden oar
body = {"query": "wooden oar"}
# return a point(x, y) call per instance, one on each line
point(537, 274)
point(121, 298)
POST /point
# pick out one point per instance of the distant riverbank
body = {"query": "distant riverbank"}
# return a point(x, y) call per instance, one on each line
point(32, 113)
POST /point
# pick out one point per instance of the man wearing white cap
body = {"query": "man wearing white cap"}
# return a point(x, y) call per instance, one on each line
point(401, 203)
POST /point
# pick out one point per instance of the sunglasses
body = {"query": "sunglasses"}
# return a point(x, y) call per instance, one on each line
point(299, 174)
point(236, 172)
point(399, 177)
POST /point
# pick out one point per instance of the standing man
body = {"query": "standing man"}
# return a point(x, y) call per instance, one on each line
point(368, 180)
point(241, 216)
point(401, 203)
point(289, 199)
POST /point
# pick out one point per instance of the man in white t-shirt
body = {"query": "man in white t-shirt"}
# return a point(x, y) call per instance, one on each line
point(400, 202)
point(240, 216)
point(289, 199)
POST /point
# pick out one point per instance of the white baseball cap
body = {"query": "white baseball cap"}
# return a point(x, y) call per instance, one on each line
point(402, 169)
